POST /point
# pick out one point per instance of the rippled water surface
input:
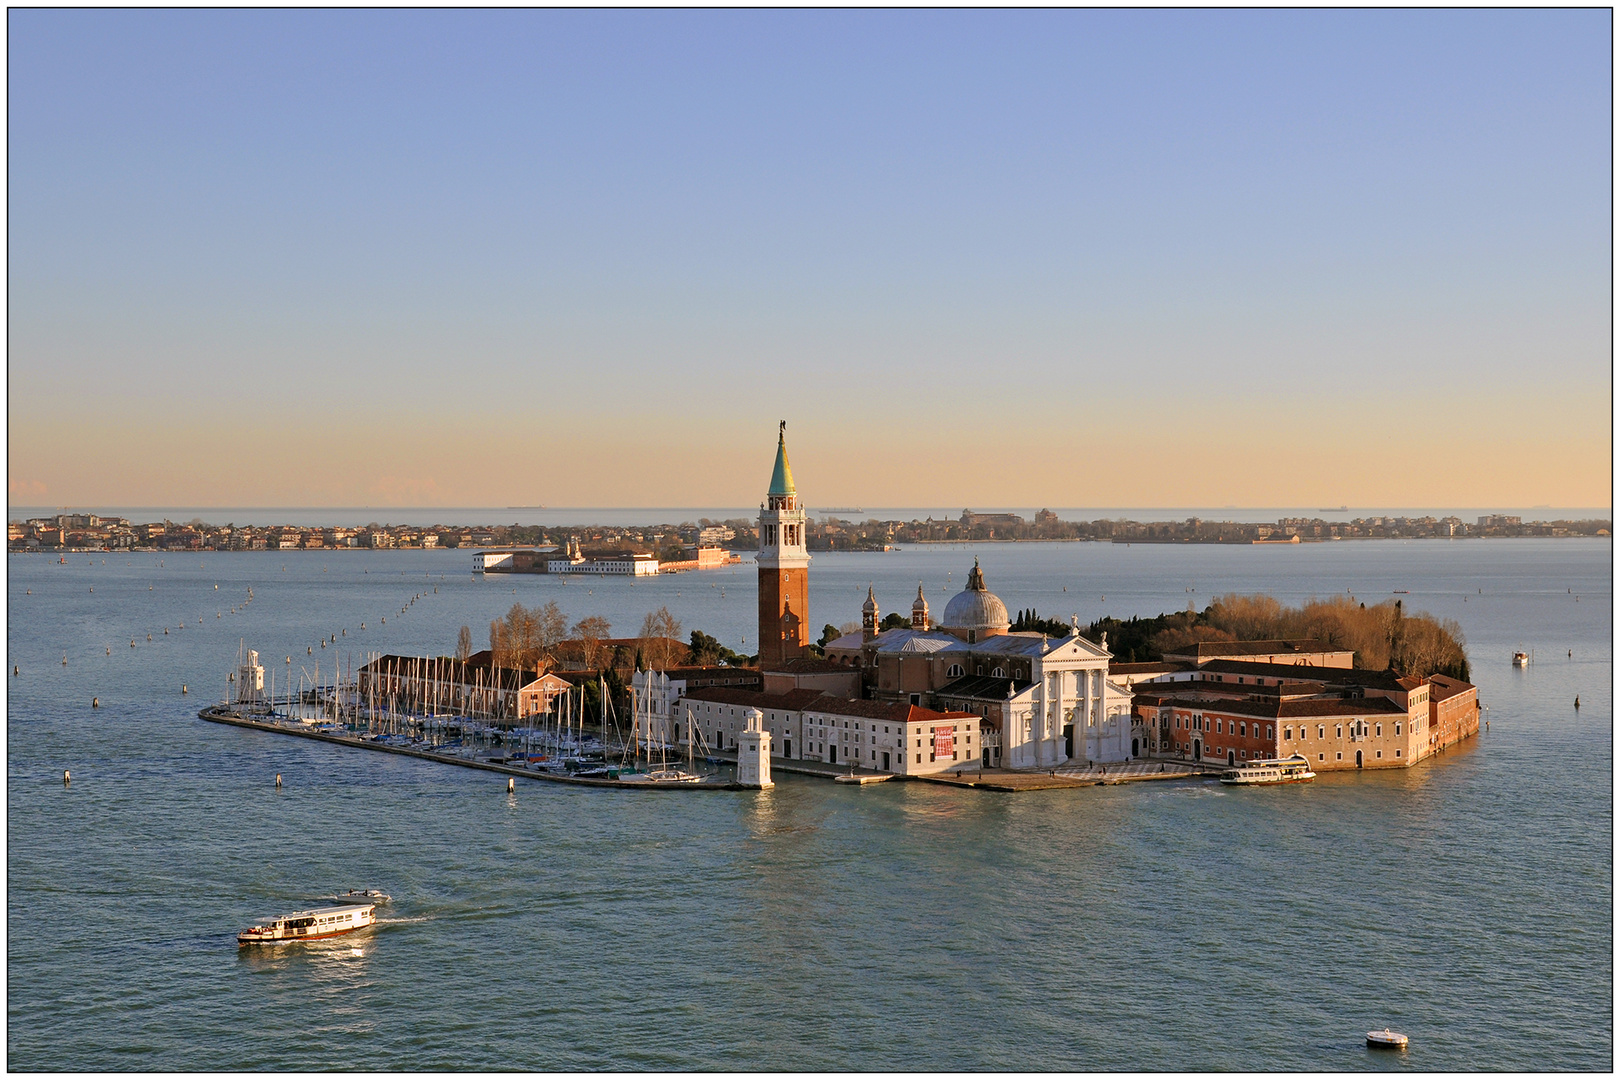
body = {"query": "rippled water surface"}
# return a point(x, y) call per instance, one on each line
point(1466, 901)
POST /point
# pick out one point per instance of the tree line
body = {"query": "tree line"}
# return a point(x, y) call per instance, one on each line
point(1383, 637)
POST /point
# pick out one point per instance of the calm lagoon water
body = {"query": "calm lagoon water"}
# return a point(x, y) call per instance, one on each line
point(1466, 901)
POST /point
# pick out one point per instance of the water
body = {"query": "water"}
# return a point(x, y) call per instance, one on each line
point(1466, 901)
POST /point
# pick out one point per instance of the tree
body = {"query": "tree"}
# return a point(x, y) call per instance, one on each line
point(1030, 621)
point(464, 643)
point(590, 631)
point(828, 633)
point(551, 627)
point(706, 650)
point(894, 621)
point(527, 638)
point(660, 634)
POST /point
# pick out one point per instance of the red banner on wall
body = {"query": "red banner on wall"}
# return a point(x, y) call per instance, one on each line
point(944, 743)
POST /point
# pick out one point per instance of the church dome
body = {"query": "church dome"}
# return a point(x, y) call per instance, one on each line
point(975, 607)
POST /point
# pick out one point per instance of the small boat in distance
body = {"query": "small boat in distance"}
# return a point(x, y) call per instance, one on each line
point(357, 896)
point(1295, 769)
point(1386, 1040)
point(312, 925)
point(1521, 659)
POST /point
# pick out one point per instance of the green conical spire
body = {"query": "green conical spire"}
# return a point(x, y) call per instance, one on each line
point(782, 475)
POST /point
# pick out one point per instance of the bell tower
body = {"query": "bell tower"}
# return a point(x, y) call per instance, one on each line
point(784, 568)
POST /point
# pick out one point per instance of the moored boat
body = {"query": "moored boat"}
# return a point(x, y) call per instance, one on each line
point(1386, 1040)
point(1521, 659)
point(670, 776)
point(1295, 769)
point(312, 925)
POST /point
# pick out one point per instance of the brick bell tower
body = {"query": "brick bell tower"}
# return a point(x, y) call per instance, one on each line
point(784, 568)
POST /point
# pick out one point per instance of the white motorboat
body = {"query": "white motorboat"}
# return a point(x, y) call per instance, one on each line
point(1295, 769)
point(1521, 659)
point(357, 896)
point(1386, 1040)
point(312, 925)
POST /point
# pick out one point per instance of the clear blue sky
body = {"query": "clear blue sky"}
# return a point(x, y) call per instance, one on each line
point(353, 253)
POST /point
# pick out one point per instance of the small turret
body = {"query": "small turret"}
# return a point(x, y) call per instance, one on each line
point(919, 610)
point(869, 616)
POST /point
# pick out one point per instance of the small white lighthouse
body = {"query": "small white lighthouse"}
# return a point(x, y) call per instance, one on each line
point(754, 752)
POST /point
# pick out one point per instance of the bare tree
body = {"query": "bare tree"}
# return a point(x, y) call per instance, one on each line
point(660, 633)
point(550, 629)
point(497, 642)
point(464, 643)
point(590, 631)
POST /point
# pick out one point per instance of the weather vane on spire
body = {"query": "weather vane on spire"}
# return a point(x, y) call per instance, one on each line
point(781, 430)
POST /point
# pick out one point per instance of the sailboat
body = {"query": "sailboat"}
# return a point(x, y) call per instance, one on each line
point(665, 773)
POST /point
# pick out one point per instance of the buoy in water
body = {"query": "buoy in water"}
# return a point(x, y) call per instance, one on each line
point(511, 785)
point(184, 689)
point(67, 778)
point(95, 703)
point(278, 779)
point(64, 659)
point(1577, 702)
point(15, 670)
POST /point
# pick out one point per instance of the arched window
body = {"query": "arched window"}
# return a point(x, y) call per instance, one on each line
point(998, 673)
point(954, 671)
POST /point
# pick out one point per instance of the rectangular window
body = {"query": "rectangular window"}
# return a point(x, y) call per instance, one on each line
point(1397, 729)
point(919, 759)
point(1340, 757)
point(1397, 753)
point(1288, 733)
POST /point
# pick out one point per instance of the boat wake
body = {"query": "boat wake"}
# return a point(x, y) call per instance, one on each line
point(402, 919)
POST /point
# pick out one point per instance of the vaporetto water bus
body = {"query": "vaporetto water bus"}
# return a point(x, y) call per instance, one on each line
point(312, 925)
point(1295, 769)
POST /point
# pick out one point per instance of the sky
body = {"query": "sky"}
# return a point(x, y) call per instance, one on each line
point(590, 258)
